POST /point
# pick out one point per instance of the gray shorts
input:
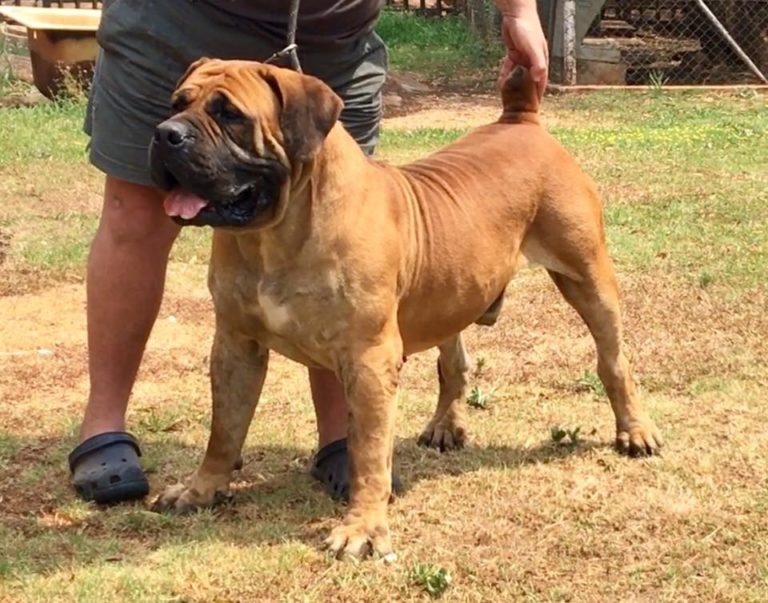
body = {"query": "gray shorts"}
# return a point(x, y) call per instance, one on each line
point(146, 45)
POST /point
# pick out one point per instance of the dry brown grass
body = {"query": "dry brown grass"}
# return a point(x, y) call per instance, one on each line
point(514, 516)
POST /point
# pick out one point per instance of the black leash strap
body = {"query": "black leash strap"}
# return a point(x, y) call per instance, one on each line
point(289, 51)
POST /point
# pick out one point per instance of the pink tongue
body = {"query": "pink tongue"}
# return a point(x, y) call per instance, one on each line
point(183, 204)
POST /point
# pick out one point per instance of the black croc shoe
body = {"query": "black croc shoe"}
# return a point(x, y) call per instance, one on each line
point(331, 468)
point(106, 469)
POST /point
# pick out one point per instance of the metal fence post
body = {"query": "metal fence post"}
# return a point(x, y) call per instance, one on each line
point(733, 44)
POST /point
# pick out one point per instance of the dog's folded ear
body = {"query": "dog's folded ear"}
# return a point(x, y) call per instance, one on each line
point(194, 65)
point(309, 109)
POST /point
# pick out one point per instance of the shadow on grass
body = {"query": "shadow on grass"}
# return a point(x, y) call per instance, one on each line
point(417, 463)
point(45, 528)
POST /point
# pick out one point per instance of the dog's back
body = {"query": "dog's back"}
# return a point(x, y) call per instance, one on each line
point(479, 202)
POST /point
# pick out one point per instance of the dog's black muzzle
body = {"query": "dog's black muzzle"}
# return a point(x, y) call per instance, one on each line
point(211, 184)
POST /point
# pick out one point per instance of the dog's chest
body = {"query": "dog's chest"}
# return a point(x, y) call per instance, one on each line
point(275, 312)
point(270, 306)
point(295, 314)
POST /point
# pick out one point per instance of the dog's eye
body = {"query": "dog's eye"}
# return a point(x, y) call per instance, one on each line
point(179, 103)
point(229, 112)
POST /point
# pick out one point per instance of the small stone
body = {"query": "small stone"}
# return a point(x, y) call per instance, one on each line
point(393, 101)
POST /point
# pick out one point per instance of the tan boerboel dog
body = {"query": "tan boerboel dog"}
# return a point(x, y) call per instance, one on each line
point(338, 261)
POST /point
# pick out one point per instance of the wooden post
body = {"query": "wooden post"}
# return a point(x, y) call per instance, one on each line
point(569, 42)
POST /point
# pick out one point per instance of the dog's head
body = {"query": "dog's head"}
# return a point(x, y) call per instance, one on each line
point(239, 132)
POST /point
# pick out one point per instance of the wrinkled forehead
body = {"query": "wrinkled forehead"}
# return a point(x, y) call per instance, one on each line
point(241, 82)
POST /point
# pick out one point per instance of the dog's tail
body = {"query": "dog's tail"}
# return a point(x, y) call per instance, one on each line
point(519, 97)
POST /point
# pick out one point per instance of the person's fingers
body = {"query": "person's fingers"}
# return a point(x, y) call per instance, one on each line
point(515, 57)
point(539, 72)
point(540, 77)
point(505, 68)
point(506, 36)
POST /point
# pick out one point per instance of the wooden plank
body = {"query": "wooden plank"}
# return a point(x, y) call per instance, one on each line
point(58, 19)
point(605, 54)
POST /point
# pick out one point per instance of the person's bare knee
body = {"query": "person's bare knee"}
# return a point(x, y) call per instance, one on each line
point(133, 215)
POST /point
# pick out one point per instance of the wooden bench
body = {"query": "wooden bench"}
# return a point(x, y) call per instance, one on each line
point(61, 42)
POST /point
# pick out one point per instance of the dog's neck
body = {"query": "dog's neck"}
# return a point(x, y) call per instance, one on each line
point(339, 148)
point(316, 194)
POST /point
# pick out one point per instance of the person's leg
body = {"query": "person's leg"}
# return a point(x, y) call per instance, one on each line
point(124, 288)
point(141, 59)
point(358, 78)
point(125, 279)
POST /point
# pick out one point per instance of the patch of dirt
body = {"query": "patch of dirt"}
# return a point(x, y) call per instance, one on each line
point(26, 194)
point(21, 281)
point(539, 339)
point(410, 107)
point(444, 111)
point(406, 93)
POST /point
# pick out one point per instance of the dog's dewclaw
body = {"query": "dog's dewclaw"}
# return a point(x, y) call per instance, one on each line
point(389, 558)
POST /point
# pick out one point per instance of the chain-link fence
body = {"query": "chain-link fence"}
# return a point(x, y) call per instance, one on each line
point(653, 42)
point(676, 42)
point(658, 42)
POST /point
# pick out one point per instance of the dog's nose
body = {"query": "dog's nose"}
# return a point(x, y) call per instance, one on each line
point(172, 133)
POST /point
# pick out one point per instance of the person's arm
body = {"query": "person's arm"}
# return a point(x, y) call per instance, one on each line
point(524, 39)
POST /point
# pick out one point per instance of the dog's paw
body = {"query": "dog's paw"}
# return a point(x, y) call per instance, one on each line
point(358, 537)
point(640, 439)
point(443, 435)
point(182, 498)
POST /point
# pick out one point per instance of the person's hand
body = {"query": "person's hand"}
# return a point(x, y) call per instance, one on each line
point(526, 45)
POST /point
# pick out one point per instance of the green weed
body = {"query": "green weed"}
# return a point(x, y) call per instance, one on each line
point(477, 398)
point(590, 382)
point(432, 579)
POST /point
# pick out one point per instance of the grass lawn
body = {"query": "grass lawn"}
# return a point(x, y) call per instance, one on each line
point(522, 513)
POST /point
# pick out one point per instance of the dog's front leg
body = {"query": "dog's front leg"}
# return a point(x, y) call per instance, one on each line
point(370, 379)
point(238, 368)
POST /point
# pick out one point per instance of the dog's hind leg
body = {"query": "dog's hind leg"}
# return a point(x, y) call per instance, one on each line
point(567, 238)
point(238, 369)
point(446, 431)
point(595, 297)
